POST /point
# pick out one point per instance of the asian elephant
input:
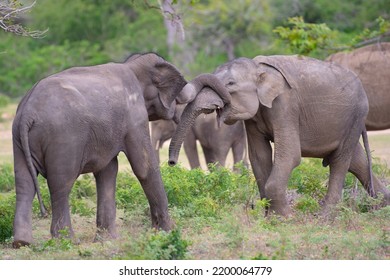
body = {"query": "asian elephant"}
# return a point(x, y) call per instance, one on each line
point(215, 141)
point(78, 120)
point(307, 107)
point(372, 65)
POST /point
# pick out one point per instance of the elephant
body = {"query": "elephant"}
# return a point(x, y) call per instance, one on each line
point(215, 141)
point(306, 107)
point(77, 121)
point(372, 65)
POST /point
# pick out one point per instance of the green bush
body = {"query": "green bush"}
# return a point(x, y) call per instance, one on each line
point(310, 178)
point(160, 245)
point(307, 204)
point(7, 212)
point(129, 193)
point(206, 193)
point(23, 66)
point(4, 100)
point(7, 180)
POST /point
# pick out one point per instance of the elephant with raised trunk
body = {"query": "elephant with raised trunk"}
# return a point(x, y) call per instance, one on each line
point(372, 65)
point(215, 140)
point(78, 120)
point(307, 107)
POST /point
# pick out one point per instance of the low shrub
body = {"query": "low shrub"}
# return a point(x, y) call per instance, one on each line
point(160, 245)
point(7, 180)
point(207, 192)
point(7, 211)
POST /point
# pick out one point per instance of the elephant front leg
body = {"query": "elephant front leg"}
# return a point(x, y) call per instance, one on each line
point(287, 156)
point(142, 158)
point(106, 206)
point(260, 156)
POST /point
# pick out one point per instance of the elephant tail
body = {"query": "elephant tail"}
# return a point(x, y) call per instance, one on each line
point(370, 187)
point(24, 129)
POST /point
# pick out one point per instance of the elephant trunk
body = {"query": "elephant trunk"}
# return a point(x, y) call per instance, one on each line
point(205, 102)
point(192, 88)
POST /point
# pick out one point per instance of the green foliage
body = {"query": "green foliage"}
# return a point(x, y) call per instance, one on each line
point(129, 193)
point(22, 66)
point(84, 187)
point(303, 38)
point(207, 193)
point(7, 180)
point(62, 243)
point(307, 204)
point(7, 210)
point(319, 40)
point(346, 16)
point(4, 100)
point(160, 245)
point(310, 178)
point(80, 33)
point(218, 20)
point(368, 34)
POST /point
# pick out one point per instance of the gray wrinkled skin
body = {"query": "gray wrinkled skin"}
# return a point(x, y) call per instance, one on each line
point(306, 107)
point(372, 65)
point(215, 141)
point(77, 121)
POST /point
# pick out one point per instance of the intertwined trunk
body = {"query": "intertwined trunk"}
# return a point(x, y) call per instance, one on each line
point(206, 102)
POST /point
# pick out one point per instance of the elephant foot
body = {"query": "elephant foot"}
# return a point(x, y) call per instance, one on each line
point(163, 222)
point(105, 235)
point(164, 225)
point(20, 243)
point(386, 198)
point(279, 209)
point(22, 237)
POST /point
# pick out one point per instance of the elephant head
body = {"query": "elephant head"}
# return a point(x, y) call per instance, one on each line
point(164, 86)
point(251, 83)
point(161, 81)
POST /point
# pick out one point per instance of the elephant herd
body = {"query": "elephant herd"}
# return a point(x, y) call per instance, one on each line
point(78, 120)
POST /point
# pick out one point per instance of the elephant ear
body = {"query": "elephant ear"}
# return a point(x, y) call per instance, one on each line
point(284, 66)
point(168, 81)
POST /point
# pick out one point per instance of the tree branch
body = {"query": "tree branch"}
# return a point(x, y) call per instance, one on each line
point(372, 40)
point(9, 14)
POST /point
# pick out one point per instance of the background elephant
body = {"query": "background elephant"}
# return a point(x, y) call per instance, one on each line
point(215, 141)
point(307, 107)
point(372, 65)
point(78, 120)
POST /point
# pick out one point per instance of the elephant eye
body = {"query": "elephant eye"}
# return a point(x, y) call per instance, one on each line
point(230, 83)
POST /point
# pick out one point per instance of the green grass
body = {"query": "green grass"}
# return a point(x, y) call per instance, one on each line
point(218, 215)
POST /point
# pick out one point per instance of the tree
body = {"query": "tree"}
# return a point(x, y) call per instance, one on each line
point(225, 24)
point(11, 13)
point(319, 40)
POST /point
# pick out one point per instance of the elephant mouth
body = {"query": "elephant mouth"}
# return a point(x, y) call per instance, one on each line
point(224, 115)
point(219, 112)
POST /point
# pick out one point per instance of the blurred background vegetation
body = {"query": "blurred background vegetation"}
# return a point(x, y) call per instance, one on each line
point(195, 35)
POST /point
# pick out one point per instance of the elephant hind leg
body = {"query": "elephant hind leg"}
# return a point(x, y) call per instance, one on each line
point(143, 161)
point(60, 186)
point(106, 207)
point(25, 191)
point(359, 168)
point(338, 170)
